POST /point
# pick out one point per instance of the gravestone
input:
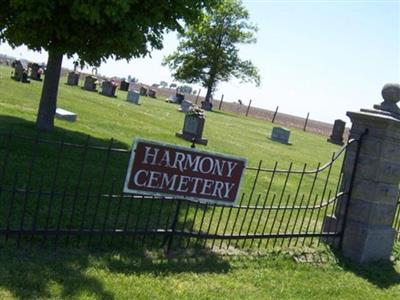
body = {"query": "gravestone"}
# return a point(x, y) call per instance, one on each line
point(36, 72)
point(193, 127)
point(171, 99)
point(337, 132)
point(65, 115)
point(90, 83)
point(133, 97)
point(280, 134)
point(206, 105)
point(73, 78)
point(143, 91)
point(185, 106)
point(152, 93)
point(124, 86)
point(20, 71)
point(132, 86)
point(179, 98)
point(108, 88)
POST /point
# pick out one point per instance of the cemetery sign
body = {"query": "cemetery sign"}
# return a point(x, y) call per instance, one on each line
point(167, 170)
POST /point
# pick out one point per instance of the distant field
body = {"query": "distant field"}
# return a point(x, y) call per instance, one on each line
point(281, 119)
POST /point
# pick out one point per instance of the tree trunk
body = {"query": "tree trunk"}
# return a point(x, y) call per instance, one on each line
point(48, 100)
point(207, 99)
point(207, 103)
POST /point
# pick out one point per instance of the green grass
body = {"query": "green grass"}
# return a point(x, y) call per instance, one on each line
point(147, 274)
point(103, 117)
point(305, 274)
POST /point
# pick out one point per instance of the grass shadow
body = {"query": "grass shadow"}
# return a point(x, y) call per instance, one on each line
point(40, 273)
point(34, 273)
point(21, 126)
point(382, 274)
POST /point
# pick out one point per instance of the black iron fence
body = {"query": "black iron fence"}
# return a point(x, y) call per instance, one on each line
point(54, 192)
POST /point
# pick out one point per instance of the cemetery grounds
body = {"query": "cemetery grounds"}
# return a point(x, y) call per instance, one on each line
point(122, 269)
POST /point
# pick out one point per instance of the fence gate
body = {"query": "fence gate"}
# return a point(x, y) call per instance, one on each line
point(56, 193)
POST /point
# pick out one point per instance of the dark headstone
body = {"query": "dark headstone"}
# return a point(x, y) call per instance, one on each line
point(206, 105)
point(20, 71)
point(152, 93)
point(143, 91)
point(193, 127)
point(280, 134)
point(179, 98)
point(90, 83)
point(337, 132)
point(133, 97)
point(36, 72)
point(108, 88)
point(124, 85)
point(73, 78)
point(185, 106)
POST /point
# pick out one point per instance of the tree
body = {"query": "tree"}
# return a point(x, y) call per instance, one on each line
point(91, 30)
point(186, 89)
point(163, 84)
point(208, 50)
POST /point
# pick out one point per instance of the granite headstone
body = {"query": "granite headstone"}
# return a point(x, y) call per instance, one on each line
point(280, 134)
point(337, 132)
point(133, 97)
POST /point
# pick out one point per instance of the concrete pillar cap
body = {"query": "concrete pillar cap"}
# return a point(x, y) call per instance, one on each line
point(391, 95)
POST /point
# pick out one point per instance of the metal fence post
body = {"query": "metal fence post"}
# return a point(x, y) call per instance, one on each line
point(248, 108)
point(275, 113)
point(305, 123)
point(220, 102)
point(170, 236)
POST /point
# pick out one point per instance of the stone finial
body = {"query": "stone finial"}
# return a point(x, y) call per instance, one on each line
point(391, 95)
point(391, 92)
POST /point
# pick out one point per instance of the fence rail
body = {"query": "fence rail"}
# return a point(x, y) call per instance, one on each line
point(58, 192)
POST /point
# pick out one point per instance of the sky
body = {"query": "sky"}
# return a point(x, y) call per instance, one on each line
point(317, 57)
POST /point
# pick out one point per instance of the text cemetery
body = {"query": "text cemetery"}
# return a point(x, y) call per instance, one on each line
point(170, 170)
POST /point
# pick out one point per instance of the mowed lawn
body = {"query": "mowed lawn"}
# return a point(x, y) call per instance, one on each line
point(43, 274)
point(103, 118)
point(32, 273)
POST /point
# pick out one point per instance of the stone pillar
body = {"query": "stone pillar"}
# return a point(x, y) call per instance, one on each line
point(367, 220)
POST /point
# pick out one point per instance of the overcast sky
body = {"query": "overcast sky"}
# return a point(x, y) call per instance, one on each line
point(322, 57)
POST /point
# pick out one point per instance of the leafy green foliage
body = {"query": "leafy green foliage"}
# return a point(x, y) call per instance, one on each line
point(186, 89)
point(208, 51)
point(163, 84)
point(92, 30)
point(95, 30)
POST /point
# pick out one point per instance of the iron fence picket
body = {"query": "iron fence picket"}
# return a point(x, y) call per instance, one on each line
point(81, 227)
point(290, 218)
point(116, 217)
point(77, 187)
point(209, 224)
point(310, 218)
point(61, 212)
point(11, 207)
point(234, 223)
point(324, 216)
point(36, 212)
point(217, 228)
